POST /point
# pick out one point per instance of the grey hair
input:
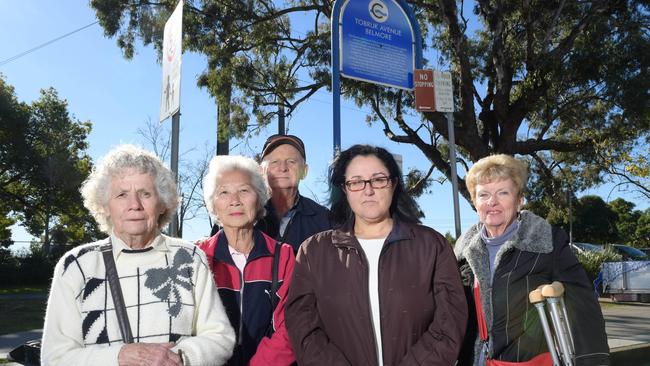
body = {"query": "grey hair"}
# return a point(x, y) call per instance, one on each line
point(96, 188)
point(221, 164)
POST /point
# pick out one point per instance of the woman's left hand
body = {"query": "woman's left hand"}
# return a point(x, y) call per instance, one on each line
point(141, 354)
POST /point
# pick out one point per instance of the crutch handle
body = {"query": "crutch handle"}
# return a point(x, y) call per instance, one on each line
point(556, 289)
point(536, 296)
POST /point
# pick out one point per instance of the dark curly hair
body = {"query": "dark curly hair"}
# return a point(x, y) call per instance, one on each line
point(402, 205)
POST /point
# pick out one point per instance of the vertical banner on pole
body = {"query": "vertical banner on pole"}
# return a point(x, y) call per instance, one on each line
point(170, 97)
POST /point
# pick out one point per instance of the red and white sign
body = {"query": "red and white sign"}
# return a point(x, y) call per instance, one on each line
point(433, 91)
point(424, 96)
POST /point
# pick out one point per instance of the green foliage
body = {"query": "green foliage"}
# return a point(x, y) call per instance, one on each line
point(42, 166)
point(253, 59)
point(417, 182)
point(595, 221)
point(450, 238)
point(15, 157)
point(565, 84)
point(591, 261)
point(30, 267)
point(21, 316)
point(642, 232)
point(8, 264)
point(627, 221)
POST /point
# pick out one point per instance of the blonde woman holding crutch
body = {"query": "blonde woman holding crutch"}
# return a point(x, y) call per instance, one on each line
point(504, 257)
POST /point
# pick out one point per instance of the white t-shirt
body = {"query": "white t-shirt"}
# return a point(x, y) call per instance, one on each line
point(239, 258)
point(372, 249)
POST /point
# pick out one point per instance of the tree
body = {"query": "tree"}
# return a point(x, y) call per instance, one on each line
point(564, 84)
point(633, 226)
point(632, 173)
point(15, 157)
point(626, 220)
point(562, 80)
point(247, 44)
point(43, 165)
point(593, 221)
point(642, 232)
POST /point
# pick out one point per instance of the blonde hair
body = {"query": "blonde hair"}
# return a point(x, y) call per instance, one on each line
point(495, 168)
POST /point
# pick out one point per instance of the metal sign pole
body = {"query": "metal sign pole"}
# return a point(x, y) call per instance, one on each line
point(170, 94)
point(454, 176)
point(336, 79)
point(176, 122)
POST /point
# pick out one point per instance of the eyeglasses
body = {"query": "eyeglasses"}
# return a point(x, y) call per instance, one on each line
point(356, 185)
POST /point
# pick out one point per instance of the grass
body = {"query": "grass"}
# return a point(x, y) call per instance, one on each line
point(22, 290)
point(18, 315)
point(22, 314)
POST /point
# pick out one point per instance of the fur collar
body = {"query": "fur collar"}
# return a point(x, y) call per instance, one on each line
point(534, 235)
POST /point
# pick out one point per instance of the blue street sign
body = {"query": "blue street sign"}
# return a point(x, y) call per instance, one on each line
point(377, 43)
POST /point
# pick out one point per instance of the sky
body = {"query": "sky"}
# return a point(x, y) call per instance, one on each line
point(118, 96)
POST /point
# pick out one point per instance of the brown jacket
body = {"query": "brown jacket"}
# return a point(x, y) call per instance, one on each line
point(423, 307)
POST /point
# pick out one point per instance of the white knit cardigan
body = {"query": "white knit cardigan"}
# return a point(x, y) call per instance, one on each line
point(169, 294)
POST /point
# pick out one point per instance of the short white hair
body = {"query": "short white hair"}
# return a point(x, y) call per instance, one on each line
point(96, 188)
point(221, 164)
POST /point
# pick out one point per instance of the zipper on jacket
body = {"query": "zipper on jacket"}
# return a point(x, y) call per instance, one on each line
point(241, 307)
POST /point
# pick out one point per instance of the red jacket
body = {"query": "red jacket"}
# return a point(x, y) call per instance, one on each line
point(261, 335)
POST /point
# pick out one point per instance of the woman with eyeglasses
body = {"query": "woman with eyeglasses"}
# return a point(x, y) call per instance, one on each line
point(379, 289)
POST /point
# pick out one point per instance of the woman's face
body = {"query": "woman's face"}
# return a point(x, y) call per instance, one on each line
point(235, 200)
point(369, 204)
point(134, 206)
point(497, 204)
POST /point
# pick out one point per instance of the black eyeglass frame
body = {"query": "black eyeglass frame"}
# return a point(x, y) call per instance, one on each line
point(389, 180)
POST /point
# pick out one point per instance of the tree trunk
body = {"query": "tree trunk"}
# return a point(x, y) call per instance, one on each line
point(223, 120)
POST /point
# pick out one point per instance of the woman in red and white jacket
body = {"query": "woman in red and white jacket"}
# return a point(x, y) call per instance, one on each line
point(242, 261)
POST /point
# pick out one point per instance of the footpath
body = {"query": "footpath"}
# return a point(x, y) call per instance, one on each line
point(627, 325)
point(628, 332)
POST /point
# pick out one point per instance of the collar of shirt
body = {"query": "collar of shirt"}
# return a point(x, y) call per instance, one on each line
point(234, 251)
point(120, 248)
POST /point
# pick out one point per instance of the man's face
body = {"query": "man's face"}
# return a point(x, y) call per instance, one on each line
point(284, 167)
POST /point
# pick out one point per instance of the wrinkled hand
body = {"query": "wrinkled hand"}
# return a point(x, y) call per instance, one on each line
point(140, 354)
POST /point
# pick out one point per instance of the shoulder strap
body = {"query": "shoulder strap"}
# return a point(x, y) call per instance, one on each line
point(276, 262)
point(274, 275)
point(116, 292)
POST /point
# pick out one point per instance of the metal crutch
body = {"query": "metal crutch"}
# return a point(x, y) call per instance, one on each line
point(554, 295)
point(536, 298)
